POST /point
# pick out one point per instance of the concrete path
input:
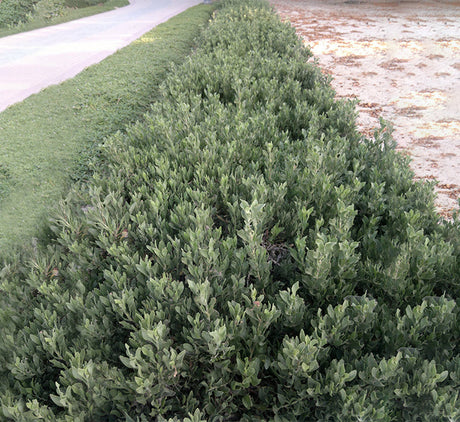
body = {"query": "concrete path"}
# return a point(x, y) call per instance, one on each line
point(34, 60)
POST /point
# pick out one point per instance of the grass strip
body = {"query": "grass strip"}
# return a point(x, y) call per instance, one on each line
point(70, 14)
point(47, 137)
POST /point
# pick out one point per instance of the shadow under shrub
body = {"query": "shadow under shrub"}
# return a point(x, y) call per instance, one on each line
point(83, 3)
point(244, 254)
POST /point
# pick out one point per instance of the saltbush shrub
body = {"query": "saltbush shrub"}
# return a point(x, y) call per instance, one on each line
point(243, 254)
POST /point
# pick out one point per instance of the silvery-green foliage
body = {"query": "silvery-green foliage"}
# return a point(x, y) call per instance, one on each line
point(243, 254)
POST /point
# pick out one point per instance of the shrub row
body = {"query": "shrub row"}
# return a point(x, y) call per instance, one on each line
point(244, 254)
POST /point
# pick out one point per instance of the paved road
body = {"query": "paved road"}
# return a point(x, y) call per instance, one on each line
point(34, 60)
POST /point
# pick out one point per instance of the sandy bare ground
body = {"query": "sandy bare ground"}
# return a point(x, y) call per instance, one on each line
point(402, 61)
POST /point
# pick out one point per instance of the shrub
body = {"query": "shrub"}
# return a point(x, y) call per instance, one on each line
point(244, 254)
point(13, 12)
point(48, 9)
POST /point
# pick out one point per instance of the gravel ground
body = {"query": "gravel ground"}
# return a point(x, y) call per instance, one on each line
point(402, 61)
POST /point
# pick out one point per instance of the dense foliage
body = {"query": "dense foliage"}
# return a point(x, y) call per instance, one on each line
point(244, 254)
point(13, 12)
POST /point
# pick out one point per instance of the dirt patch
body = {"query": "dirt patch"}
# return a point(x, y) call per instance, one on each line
point(403, 63)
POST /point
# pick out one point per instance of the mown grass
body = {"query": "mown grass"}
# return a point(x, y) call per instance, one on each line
point(49, 139)
point(70, 14)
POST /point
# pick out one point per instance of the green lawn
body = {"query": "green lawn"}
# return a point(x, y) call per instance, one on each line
point(70, 14)
point(48, 140)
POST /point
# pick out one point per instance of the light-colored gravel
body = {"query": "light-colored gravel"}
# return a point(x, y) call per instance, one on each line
point(402, 61)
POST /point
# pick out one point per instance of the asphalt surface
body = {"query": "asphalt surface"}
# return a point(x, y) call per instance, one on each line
point(33, 60)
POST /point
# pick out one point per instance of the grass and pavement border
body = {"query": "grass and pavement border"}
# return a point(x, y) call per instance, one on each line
point(69, 14)
point(49, 139)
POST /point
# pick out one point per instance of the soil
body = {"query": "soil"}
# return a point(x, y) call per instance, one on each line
point(401, 61)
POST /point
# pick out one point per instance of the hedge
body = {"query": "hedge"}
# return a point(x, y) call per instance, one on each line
point(244, 254)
